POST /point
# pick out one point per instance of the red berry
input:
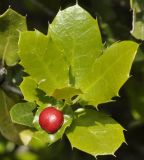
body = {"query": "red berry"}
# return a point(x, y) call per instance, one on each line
point(51, 119)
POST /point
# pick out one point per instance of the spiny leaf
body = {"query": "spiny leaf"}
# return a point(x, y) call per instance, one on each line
point(95, 133)
point(77, 34)
point(108, 73)
point(43, 61)
point(68, 61)
point(54, 64)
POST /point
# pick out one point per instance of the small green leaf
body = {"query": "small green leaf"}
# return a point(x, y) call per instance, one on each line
point(95, 133)
point(66, 92)
point(7, 128)
point(32, 93)
point(21, 113)
point(28, 88)
point(108, 73)
point(10, 25)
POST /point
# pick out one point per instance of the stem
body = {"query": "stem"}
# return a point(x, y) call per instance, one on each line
point(12, 89)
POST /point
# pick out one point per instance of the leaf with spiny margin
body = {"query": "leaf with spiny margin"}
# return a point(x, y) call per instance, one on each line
point(77, 34)
point(43, 61)
point(21, 113)
point(138, 18)
point(8, 129)
point(65, 59)
point(95, 133)
point(65, 51)
point(10, 25)
point(108, 73)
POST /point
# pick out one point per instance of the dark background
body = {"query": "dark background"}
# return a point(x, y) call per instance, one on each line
point(115, 20)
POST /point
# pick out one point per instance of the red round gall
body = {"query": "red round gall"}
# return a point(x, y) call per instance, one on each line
point(51, 119)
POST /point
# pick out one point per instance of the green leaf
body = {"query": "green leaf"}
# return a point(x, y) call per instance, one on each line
point(21, 113)
point(77, 34)
point(43, 61)
point(63, 54)
point(28, 88)
point(68, 61)
point(108, 73)
point(7, 128)
point(26, 136)
point(32, 93)
point(26, 155)
point(95, 133)
point(138, 19)
point(66, 92)
point(137, 5)
point(10, 25)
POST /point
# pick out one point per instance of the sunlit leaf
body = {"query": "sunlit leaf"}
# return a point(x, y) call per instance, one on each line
point(95, 133)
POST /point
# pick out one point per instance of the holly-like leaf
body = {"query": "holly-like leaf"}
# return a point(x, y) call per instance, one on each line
point(68, 61)
point(138, 19)
point(65, 51)
point(21, 113)
point(7, 128)
point(43, 61)
point(108, 73)
point(77, 34)
point(10, 25)
point(95, 133)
